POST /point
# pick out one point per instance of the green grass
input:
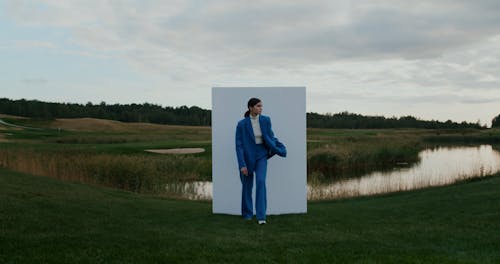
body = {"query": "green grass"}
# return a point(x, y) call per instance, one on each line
point(331, 153)
point(110, 158)
point(28, 122)
point(44, 220)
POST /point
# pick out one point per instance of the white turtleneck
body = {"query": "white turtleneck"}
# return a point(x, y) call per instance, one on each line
point(256, 128)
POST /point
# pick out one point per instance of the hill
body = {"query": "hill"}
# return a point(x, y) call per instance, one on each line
point(92, 124)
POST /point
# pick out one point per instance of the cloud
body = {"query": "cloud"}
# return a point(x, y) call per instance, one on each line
point(239, 33)
point(35, 81)
point(26, 44)
point(357, 51)
point(429, 98)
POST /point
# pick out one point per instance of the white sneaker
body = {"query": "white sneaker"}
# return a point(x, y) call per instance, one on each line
point(261, 222)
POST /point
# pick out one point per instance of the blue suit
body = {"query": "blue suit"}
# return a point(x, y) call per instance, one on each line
point(254, 157)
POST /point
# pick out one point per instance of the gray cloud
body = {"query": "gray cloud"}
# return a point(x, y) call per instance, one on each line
point(270, 32)
point(443, 98)
point(358, 51)
point(303, 33)
point(34, 81)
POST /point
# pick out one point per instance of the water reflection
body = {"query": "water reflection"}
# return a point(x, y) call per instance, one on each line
point(198, 190)
point(439, 166)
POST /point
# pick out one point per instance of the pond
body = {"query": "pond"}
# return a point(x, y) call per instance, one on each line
point(437, 166)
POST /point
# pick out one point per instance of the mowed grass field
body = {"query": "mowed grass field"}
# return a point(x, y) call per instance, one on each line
point(44, 220)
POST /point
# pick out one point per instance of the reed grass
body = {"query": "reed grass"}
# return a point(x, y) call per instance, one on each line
point(347, 159)
point(138, 173)
point(116, 158)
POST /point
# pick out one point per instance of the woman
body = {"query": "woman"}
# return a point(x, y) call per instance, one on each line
point(255, 143)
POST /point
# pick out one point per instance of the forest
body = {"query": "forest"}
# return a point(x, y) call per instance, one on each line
point(196, 116)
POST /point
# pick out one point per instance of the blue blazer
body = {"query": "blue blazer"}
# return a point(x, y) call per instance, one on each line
point(246, 146)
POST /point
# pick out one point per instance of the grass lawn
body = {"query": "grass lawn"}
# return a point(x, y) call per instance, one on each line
point(44, 220)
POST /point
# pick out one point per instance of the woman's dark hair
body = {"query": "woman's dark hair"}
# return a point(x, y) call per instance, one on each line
point(251, 103)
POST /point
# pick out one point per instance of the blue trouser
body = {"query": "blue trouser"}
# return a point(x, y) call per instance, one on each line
point(260, 182)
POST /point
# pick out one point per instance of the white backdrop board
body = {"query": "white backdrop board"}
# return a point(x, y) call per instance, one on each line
point(286, 180)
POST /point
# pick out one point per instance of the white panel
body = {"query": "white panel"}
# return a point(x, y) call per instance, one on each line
point(286, 177)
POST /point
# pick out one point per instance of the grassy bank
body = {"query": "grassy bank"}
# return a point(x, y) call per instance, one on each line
point(44, 220)
point(107, 153)
point(341, 153)
point(353, 157)
point(112, 153)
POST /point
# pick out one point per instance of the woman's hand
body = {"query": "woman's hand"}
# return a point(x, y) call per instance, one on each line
point(244, 171)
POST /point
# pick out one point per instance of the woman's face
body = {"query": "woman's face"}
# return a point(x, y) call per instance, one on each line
point(256, 109)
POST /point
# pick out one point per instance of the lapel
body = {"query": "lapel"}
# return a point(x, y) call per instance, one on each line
point(249, 127)
point(262, 124)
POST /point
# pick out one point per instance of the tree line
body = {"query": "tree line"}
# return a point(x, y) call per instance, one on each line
point(357, 121)
point(183, 115)
point(149, 113)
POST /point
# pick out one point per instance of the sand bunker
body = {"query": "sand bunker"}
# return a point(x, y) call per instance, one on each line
point(176, 150)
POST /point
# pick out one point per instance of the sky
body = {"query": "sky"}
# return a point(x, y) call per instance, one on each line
point(434, 60)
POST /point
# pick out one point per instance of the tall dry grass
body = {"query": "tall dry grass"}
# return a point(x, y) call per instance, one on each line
point(138, 173)
point(342, 159)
